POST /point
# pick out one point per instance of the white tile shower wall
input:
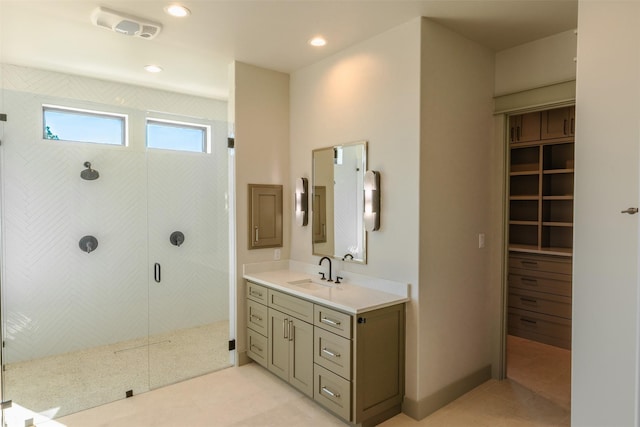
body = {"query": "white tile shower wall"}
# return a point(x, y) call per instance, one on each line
point(58, 298)
point(194, 286)
point(66, 86)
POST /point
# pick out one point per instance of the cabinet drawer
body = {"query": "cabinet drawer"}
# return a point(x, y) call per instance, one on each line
point(539, 302)
point(332, 352)
point(257, 347)
point(333, 392)
point(257, 317)
point(332, 320)
point(540, 281)
point(256, 292)
point(540, 327)
point(540, 263)
point(291, 305)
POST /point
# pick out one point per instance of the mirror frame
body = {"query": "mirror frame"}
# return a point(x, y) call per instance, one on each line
point(312, 190)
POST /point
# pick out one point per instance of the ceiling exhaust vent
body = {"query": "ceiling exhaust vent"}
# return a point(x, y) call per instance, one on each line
point(124, 24)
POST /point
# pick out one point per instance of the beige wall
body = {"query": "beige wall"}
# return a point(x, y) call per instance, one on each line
point(455, 206)
point(421, 95)
point(435, 185)
point(605, 283)
point(369, 92)
point(535, 64)
point(259, 111)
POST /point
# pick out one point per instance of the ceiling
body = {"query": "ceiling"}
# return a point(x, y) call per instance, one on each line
point(195, 51)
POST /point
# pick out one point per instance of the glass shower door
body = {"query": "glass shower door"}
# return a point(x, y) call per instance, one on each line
point(83, 328)
point(189, 258)
point(74, 322)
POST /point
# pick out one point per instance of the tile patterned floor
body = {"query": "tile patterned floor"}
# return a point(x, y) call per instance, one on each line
point(536, 395)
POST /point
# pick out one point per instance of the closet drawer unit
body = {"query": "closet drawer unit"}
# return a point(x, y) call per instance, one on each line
point(257, 347)
point(332, 391)
point(332, 320)
point(540, 327)
point(256, 292)
point(553, 305)
point(540, 263)
point(291, 305)
point(257, 317)
point(540, 281)
point(332, 352)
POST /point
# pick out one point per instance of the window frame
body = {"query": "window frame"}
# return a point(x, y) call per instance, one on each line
point(123, 118)
point(180, 124)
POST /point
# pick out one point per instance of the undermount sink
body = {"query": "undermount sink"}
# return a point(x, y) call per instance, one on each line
point(309, 284)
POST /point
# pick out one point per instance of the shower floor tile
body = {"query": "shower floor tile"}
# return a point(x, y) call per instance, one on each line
point(71, 382)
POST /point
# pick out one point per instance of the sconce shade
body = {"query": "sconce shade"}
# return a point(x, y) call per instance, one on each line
point(372, 200)
point(301, 202)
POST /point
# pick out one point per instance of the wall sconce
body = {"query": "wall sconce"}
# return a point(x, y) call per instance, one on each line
point(302, 202)
point(372, 200)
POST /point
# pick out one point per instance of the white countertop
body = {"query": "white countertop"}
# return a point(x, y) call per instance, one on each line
point(347, 296)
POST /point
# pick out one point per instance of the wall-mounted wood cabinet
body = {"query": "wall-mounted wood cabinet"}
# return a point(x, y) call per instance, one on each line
point(541, 177)
point(524, 127)
point(265, 216)
point(558, 123)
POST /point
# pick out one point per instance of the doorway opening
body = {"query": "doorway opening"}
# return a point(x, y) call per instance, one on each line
point(539, 203)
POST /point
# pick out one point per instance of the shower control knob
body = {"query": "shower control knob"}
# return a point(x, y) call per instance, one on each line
point(176, 238)
point(88, 244)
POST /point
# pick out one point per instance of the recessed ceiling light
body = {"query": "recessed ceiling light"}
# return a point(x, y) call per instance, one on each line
point(177, 10)
point(153, 68)
point(317, 41)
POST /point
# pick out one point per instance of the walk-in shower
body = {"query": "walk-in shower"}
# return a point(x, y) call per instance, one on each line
point(113, 282)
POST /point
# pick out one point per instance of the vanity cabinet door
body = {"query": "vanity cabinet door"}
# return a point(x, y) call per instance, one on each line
point(379, 360)
point(291, 350)
point(278, 360)
point(301, 356)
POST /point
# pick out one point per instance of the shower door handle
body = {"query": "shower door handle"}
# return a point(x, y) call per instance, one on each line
point(156, 272)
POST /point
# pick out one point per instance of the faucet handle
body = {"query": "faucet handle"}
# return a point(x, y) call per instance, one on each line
point(338, 278)
point(321, 274)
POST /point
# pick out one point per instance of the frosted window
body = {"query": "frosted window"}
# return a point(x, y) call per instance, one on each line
point(179, 136)
point(65, 124)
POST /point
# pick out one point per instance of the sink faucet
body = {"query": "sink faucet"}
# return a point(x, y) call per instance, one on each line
point(328, 259)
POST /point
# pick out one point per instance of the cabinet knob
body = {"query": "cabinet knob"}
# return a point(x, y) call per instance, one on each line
point(362, 320)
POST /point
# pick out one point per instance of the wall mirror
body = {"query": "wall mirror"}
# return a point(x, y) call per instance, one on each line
point(338, 202)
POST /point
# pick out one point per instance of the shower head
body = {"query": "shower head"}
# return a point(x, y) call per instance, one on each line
point(89, 174)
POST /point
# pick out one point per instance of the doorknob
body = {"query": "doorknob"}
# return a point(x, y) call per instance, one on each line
point(630, 211)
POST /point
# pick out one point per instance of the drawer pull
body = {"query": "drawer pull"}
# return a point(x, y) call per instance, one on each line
point(255, 316)
point(531, 263)
point(330, 353)
point(258, 348)
point(528, 301)
point(529, 281)
point(330, 322)
point(255, 293)
point(330, 393)
point(532, 322)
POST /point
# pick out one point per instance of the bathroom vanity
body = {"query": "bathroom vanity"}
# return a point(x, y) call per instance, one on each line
point(340, 344)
